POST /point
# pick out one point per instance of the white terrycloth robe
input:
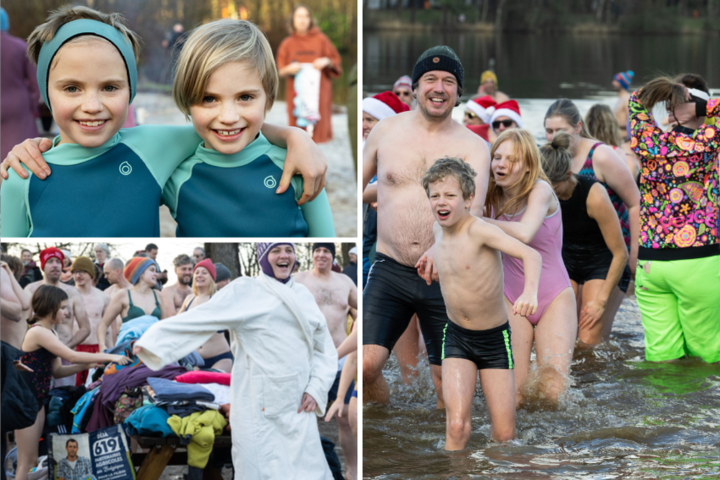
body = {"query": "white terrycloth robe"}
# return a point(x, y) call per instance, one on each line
point(282, 349)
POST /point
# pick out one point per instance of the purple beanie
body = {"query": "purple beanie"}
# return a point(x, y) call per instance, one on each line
point(262, 251)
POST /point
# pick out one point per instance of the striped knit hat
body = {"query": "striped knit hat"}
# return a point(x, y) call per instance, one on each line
point(262, 251)
point(136, 267)
point(624, 78)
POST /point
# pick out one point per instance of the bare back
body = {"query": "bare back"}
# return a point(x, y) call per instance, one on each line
point(402, 149)
point(471, 277)
point(332, 295)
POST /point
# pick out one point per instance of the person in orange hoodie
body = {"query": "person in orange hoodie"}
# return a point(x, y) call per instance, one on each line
point(307, 44)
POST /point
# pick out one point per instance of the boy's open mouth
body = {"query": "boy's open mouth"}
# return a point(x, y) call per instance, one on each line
point(229, 135)
point(443, 214)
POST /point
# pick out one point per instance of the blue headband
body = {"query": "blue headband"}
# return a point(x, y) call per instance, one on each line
point(84, 27)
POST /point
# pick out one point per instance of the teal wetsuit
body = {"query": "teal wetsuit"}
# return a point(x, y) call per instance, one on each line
point(109, 191)
point(217, 195)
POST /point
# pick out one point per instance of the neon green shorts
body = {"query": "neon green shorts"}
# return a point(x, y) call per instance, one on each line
point(680, 305)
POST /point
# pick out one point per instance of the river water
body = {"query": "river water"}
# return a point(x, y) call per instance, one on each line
point(623, 417)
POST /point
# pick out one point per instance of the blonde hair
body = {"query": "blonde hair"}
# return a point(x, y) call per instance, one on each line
point(556, 158)
point(451, 167)
point(211, 291)
point(524, 150)
point(213, 45)
point(602, 124)
point(66, 14)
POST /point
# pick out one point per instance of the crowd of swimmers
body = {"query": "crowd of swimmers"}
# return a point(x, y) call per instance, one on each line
point(615, 203)
point(83, 313)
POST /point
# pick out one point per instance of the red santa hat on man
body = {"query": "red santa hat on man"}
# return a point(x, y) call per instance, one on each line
point(509, 109)
point(483, 107)
point(383, 105)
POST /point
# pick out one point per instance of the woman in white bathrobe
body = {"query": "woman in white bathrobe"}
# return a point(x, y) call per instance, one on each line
point(285, 364)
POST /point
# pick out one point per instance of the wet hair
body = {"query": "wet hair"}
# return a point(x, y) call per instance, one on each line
point(451, 167)
point(525, 150)
point(16, 265)
point(556, 158)
point(291, 20)
point(568, 110)
point(460, 91)
point(693, 80)
point(66, 14)
point(182, 259)
point(602, 124)
point(663, 90)
point(71, 440)
point(211, 46)
point(46, 302)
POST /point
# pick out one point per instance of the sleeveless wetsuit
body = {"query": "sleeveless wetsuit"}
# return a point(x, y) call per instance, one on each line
point(584, 252)
point(135, 312)
point(553, 278)
point(120, 180)
point(217, 195)
point(41, 363)
point(588, 171)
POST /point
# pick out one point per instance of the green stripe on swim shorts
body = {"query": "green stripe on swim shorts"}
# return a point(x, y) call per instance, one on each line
point(442, 355)
point(508, 348)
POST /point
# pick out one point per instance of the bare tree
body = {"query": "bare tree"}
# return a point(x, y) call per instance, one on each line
point(225, 253)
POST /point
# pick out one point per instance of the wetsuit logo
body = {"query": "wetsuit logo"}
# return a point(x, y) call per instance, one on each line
point(270, 181)
point(125, 168)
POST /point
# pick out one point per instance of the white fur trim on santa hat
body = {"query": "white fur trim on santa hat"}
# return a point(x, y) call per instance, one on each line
point(477, 109)
point(506, 112)
point(376, 108)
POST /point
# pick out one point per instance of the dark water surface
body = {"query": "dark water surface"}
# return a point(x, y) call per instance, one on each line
point(623, 418)
point(544, 65)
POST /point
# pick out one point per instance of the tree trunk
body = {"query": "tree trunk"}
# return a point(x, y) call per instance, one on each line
point(499, 16)
point(485, 6)
point(600, 10)
point(445, 12)
point(227, 254)
point(413, 6)
point(345, 251)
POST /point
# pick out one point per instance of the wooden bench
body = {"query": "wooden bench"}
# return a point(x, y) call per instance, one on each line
point(163, 453)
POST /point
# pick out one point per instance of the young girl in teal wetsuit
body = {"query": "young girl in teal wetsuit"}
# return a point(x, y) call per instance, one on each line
point(226, 81)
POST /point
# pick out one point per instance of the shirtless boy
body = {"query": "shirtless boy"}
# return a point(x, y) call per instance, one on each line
point(399, 150)
point(174, 295)
point(96, 301)
point(477, 337)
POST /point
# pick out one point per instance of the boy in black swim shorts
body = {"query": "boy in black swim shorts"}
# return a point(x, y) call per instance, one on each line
point(466, 256)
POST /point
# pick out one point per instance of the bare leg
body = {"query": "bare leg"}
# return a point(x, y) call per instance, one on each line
point(348, 443)
point(375, 387)
point(459, 380)
point(407, 350)
point(555, 336)
point(27, 442)
point(522, 336)
point(595, 334)
point(436, 371)
point(352, 415)
point(499, 389)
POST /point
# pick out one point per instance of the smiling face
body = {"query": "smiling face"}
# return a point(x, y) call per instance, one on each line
point(232, 110)
point(369, 123)
point(446, 201)
point(149, 276)
point(26, 256)
point(437, 94)
point(89, 92)
point(201, 277)
point(507, 170)
point(184, 274)
point(322, 259)
point(282, 260)
point(560, 124)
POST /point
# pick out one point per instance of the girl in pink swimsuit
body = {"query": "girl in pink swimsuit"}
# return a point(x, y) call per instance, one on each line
point(523, 205)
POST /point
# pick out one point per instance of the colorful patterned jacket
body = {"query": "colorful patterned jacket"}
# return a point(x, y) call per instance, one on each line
point(678, 187)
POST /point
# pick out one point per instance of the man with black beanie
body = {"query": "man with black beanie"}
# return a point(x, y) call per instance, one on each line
point(399, 150)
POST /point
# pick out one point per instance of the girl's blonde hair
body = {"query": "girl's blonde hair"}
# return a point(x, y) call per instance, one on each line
point(524, 150)
point(211, 291)
point(213, 45)
point(602, 124)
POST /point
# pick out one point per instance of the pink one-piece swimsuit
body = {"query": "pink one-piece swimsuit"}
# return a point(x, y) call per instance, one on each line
point(553, 278)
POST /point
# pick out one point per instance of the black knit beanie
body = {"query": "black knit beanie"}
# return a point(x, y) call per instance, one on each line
point(438, 58)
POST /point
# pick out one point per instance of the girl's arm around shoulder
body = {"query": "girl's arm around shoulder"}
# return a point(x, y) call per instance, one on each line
point(541, 203)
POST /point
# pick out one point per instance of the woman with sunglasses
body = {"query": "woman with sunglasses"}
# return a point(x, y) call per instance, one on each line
point(479, 110)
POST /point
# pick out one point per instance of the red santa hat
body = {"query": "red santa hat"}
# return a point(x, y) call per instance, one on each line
point(404, 81)
point(481, 130)
point(383, 105)
point(483, 107)
point(509, 109)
